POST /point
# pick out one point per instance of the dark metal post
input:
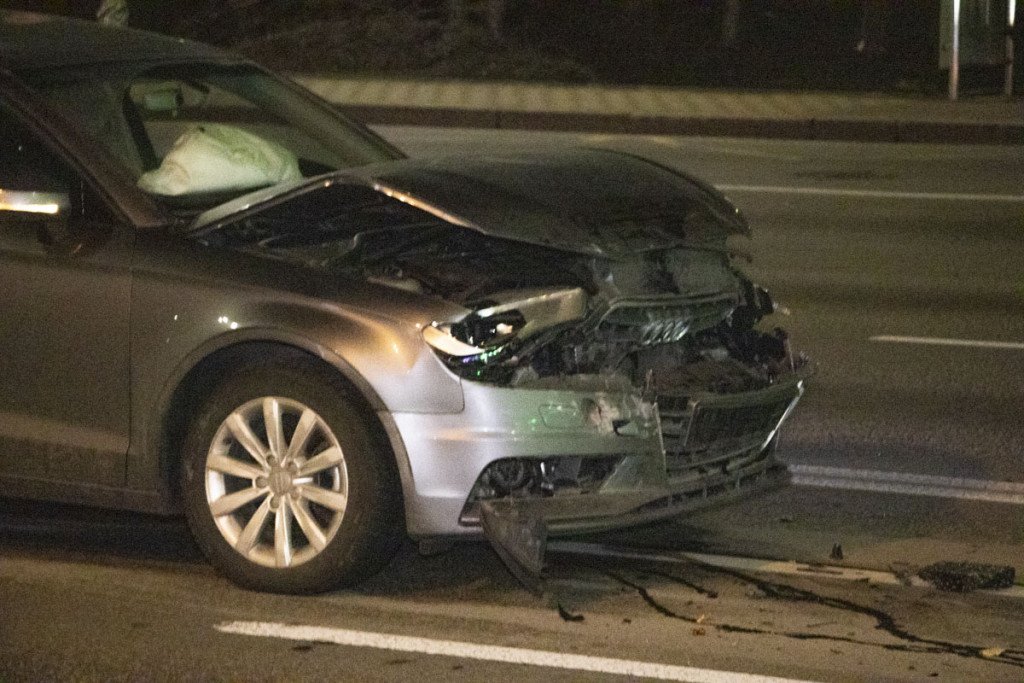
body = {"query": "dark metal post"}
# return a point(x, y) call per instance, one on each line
point(954, 53)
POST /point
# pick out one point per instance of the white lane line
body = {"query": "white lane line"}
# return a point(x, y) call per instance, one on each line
point(713, 147)
point(491, 653)
point(877, 194)
point(938, 341)
point(752, 564)
point(908, 483)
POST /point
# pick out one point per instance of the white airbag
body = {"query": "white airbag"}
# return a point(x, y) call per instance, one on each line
point(216, 157)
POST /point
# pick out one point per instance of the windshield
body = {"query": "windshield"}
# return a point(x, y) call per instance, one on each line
point(195, 135)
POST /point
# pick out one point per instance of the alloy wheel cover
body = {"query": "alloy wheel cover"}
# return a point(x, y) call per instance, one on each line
point(276, 482)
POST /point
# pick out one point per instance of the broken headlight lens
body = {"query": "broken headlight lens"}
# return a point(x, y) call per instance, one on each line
point(476, 341)
point(490, 331)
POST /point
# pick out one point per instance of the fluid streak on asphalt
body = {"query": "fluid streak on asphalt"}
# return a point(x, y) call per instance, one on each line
point(938, 341)
point(908, 484)
point(877, 194)
point(757, 565)
point(491, 653)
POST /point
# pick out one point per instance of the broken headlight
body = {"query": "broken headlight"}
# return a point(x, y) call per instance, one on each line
point(477, 341)
point(478, 345)
point(486, 330)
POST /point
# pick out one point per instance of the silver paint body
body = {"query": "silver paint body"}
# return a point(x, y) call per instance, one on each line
point(97, 342)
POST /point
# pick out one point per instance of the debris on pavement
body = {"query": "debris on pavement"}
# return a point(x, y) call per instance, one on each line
point(964, 577)
point(837, 552)
point(903, 572)
point(567, 615)
point(992, 652)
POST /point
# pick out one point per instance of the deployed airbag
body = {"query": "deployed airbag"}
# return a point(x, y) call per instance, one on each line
point(215, 157)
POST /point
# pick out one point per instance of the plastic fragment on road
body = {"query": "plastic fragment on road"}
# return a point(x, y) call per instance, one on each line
point(567, 615)
point(964, 577)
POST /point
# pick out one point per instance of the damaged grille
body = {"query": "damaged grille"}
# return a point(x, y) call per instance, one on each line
point(648, 321)
point(720, 431)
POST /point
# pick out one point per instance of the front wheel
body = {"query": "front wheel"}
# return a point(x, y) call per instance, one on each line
point(285, 488)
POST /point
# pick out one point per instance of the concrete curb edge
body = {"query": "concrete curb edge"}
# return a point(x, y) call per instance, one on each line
point(877, 130)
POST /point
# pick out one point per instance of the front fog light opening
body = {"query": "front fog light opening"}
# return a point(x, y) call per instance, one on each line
point(539, 478)
point(509, 475)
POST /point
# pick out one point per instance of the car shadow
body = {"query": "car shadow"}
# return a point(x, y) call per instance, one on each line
point(66, 531)
point(109, 537)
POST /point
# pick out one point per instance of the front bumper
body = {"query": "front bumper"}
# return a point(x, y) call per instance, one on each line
point(518, 528)
point(701, 451)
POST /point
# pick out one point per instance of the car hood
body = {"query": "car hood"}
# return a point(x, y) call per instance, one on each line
point(585, 201)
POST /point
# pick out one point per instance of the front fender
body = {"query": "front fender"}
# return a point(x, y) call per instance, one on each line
point(384, 359)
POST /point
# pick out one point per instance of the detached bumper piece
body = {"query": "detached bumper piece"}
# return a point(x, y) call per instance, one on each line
point(518, 534)
point(518, 528)
point(716, 448)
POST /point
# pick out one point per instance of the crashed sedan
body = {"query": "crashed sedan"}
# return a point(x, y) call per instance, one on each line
point(223, 299)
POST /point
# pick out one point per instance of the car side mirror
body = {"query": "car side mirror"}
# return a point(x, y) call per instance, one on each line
point(41, 204)
point(50, 212)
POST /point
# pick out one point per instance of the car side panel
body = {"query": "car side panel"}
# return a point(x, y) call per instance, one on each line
point(64, 367)
point(64, 294)
point(181, 315)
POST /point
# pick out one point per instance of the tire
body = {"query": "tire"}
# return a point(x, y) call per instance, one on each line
point(312, 505)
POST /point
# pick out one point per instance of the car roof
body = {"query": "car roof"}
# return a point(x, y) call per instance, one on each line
point(30, 41)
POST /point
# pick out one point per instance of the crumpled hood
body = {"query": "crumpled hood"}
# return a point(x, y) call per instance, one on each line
point(582, 200)
point(587, 201)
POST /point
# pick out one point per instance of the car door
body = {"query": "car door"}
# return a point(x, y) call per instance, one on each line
point(64, 305)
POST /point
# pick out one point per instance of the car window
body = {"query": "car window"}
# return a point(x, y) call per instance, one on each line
point(25, 164)
point(29, 165)
point(94, 107)
point(168, 109)
point(203, 133)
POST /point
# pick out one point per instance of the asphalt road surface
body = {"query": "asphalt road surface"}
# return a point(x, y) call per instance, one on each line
point(902, 274)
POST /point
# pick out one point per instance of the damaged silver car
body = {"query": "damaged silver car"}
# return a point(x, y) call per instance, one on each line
point(222, 298)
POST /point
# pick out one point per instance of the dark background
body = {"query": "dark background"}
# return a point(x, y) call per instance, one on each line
point(791, 44)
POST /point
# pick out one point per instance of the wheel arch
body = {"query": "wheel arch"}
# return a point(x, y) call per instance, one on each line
point(207, 367)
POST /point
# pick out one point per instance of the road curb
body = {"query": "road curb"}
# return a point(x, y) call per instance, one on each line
point(856, 130)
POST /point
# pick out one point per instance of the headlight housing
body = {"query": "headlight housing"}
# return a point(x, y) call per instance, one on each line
point(483, 344)
point(476, 343)
point(488, 331)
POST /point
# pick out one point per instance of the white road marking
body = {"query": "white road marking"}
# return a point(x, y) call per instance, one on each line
point(908, 484)
point(938, 341)
point(702, 145)
point(490, 653)
point(876, 194)
point(752, 564)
